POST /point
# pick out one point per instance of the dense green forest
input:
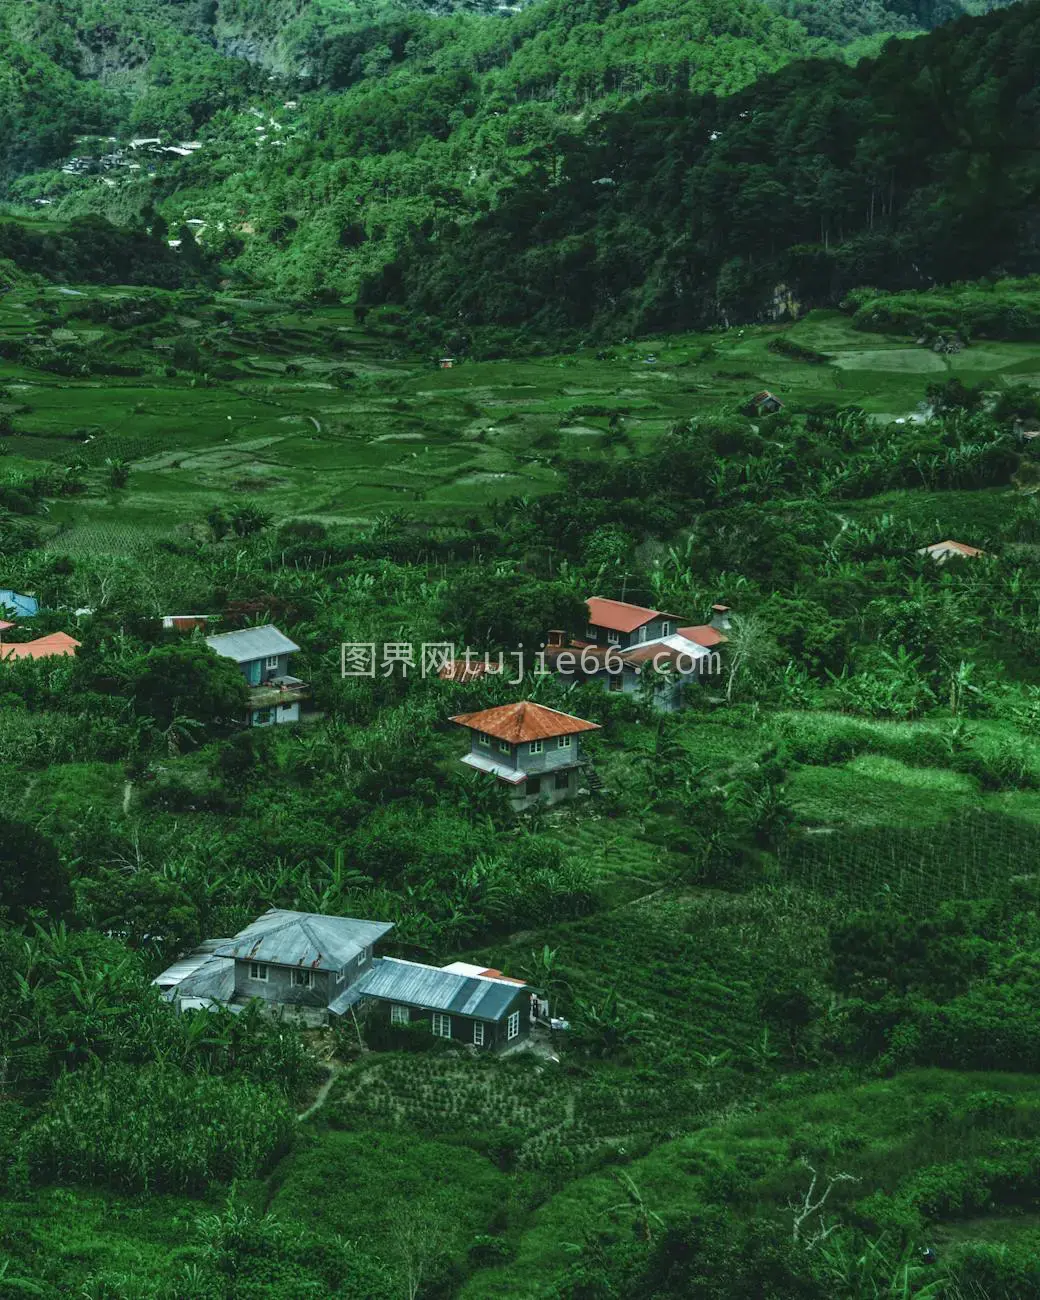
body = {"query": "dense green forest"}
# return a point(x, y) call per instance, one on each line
point(915, 168)
point(634, 166)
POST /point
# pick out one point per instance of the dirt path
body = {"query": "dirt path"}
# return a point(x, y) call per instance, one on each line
point(335, 1070)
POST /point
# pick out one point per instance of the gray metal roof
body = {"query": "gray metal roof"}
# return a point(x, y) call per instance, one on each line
point(339, 1006)
point(199, 974)
point(434, 989)
point(511, 774)
point(251, 643)
point(304, 939)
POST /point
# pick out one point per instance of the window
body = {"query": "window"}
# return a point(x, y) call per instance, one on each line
point(534, 785)
point(441, 1025)
point(513, 1025)
point(642, 633)
point(262, 717)
point(591, 634)
point(563, 780)
point(535, 747)
point(666, 628)
point(399, 1015)
point(302, 979)
point(271, 663)
point(478, 1033)
point(257, 971)
point(484, 739)
point(505, 747)
point(616, 683)
point(362, 957)
point(563, 742)
point(613, 638)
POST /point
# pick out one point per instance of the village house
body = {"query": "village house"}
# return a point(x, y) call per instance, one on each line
point(534, 750)
point(622, 642)
point(262, 654)
point(763, 403)
point(943, 551)
point(310, 967)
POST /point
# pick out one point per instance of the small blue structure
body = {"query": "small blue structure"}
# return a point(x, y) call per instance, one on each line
point(16, 603)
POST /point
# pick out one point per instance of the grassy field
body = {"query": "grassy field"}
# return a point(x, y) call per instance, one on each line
point(308, 415)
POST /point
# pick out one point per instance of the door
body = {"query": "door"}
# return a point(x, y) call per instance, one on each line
point(253, 673)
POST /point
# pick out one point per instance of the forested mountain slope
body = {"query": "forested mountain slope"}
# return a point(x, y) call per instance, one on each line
point(599, 144)
point(918, 167)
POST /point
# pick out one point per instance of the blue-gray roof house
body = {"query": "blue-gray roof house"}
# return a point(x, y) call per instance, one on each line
point(262, 655)
point(320, 966)
point(486, 1010)
point(15, 603)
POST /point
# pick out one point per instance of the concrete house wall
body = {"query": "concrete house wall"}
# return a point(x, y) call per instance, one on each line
point(275, 714)
point(279, 989)
point(545, 765)
point(648, 632)
point(255, 671)
point(668, 697)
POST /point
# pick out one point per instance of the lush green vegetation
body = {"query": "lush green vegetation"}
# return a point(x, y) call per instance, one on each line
point(852, 803)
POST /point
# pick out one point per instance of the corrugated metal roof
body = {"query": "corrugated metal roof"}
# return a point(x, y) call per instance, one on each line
point(500, 770)
point(44, 647)
point(433, 989)
point(251, 643)
point(26, 606)
point(671, 649)
point(458, 670)
point(339, 1006)
point(950, 548)
point(304, 939)
point(524, 721)
point(486, 972)
point(619, 616)
point(199, 974)
point(704, 634)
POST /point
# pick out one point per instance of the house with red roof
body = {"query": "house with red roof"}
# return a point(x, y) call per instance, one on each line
point(533, 750)
point(622, 642)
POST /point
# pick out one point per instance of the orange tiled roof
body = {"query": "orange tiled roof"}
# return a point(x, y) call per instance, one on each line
point(620, 617)
point(522, 721)
point(44, 647)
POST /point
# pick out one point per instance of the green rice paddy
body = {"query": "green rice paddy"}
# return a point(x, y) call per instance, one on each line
point(305, 413)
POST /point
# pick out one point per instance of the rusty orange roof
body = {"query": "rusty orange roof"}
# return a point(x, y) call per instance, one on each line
point(458, 670)
point(944, 548)
point(44, 647)
point(704, 634)
point(522, 721)
point(492, 974)
point(620, 617)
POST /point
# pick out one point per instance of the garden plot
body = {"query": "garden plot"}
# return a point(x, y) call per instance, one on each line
point(915, 361)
